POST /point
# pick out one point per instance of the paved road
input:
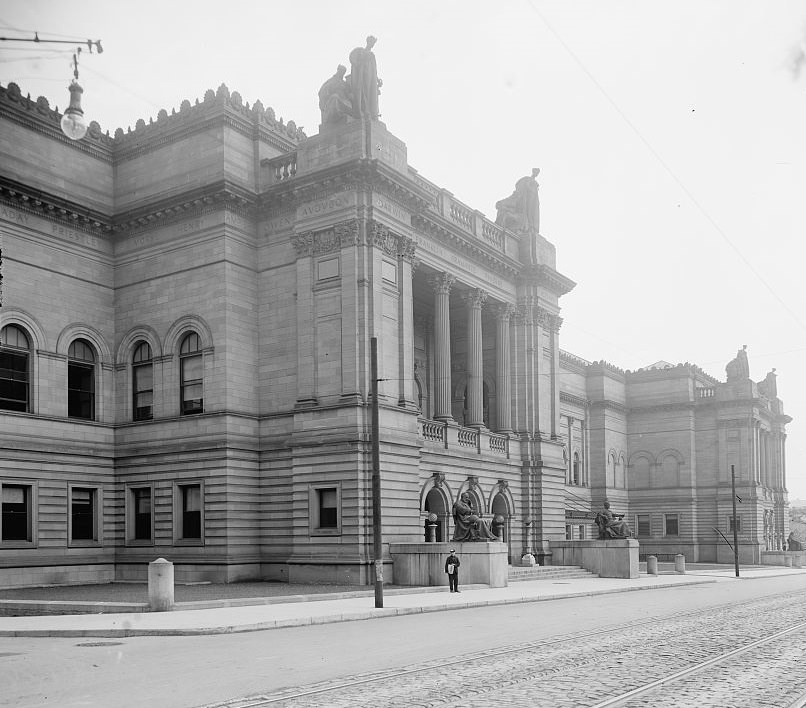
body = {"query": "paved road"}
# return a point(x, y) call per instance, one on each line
point(572, 652)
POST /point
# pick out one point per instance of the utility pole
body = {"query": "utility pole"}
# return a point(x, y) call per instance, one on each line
point(376, 476)
point(735, 520)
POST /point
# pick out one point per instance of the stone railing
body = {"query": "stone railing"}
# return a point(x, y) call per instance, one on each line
point(709, 392)
point(279, 169)
point(450, 435)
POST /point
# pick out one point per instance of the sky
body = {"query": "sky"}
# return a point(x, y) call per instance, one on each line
point(671, 138)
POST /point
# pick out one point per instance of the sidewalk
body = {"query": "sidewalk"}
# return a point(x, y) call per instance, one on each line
point(222, 619)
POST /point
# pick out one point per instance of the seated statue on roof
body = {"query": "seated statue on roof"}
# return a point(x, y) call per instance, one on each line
point(738, 368)
point(520, 212)
point(334, 98)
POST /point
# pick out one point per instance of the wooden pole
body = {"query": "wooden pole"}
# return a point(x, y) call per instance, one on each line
point(376, 477)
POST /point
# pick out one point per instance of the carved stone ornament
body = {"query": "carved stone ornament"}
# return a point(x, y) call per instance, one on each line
point(392, 244)
point(476, 297)
point(442, 283)
point(439, 479)
point(311, 243)
point(503, 484)
point(472, 481)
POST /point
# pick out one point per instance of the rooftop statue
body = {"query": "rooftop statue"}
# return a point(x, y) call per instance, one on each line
point(364, 82)
point(334, 98)
point(469, 526)
point(738, 368)
point(520, 212)
point(769, 386)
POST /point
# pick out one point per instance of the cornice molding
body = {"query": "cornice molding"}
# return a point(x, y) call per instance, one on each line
point(612, 405)
point(574, 400)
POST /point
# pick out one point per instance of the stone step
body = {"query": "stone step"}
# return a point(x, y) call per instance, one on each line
point(549, 572)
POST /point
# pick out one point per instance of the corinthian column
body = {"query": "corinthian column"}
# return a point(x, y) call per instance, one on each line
point(475, 300)
point(442, 344)
point(503, 383)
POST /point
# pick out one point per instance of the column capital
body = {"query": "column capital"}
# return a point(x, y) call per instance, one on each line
point(442, 283)
point(392, 244)
point(341, 235)
point(504, 310)
point(476, 297)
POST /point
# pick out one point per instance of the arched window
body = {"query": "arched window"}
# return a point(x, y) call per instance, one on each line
point(81, 380)
point(142, 383)
point(669, 471)
point(15, 351)
point(621, 482)
point(610, 480)
point(576, 479)
point(639, 473)
point(191, 375)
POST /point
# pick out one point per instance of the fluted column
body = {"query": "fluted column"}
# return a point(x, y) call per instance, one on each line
point(475, 300)
point(442, 345)
point(503, 383)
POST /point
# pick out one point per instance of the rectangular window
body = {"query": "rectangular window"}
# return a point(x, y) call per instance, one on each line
point(325, 510)
point(81, 391)
point(83, 514)
point(143, 391)
point(328, 508)
point(738, 524)
point(16, 512)
point(569, 532)
point(581, 533)
point(643, 526)
point(141, 513)
point(671, 525)
point(13, 381)
point(191, 511)
point(192, 393)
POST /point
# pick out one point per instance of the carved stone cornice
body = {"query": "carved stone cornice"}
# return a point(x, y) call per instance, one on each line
point(28, 200)
point(663, 408)
point(548, 278)
point(204, 200)
point(330, 240)
point(574, 400)
point(609, 404)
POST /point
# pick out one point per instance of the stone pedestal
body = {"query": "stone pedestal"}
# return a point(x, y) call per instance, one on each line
point(617, 558)
point(423, 564)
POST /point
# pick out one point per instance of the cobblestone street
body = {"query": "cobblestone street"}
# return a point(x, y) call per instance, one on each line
point(664, 661)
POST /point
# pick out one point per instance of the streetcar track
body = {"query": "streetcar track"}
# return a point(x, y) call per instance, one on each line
point(697, 668)
point(283, 696)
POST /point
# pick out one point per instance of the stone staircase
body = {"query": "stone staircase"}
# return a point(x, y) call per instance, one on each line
point(547, 572)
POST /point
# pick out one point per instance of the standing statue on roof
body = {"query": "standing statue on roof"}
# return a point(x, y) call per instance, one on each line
point(364, 82)
point(738, 368)
point(520, 212)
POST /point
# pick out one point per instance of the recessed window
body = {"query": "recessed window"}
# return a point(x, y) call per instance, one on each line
point(642, 523)
point(738, 524)
point(142, 383)
point(575, 477)
point(81, 380)
point(325, 510)
point(83, 514)
point(140, 514)
point(16, 512)
point(191, 375)
point(14, 375)
point(190, 519)
point(671, 525)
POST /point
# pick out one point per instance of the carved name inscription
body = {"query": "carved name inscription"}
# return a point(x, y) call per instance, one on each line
point(482, 273)
point(323, 206)
point(13, 215)
point(391, 208)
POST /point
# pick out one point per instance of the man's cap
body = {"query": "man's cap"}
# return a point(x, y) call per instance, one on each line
point(452, 550)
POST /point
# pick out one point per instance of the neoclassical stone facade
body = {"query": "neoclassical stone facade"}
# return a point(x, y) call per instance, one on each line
point(185, 334)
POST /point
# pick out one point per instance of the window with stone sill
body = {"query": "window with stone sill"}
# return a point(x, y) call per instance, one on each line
point(191, 373)
point(85, 522)
point(671, 525)
point(81, 380)
point(139, 515)
point(189, 512)
point(142, 383)
point(16, 514)
point(643, 525)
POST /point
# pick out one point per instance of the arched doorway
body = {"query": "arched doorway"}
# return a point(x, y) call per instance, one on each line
point(435, 504)
point(500, 506)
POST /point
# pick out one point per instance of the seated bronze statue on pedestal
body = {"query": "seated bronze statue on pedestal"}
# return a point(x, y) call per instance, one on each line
point(611, 525)
point(468, 525)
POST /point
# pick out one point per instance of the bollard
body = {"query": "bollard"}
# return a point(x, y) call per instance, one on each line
point(652, 565)
point(161, 585)
point(679, 563)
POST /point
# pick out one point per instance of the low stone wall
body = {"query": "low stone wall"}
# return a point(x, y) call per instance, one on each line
point(790, 559)
point(617, 558)
point(423, 564)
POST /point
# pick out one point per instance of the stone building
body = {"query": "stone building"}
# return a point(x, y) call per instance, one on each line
point(185, 330)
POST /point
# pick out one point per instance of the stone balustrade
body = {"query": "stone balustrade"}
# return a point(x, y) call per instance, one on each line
point(280, 169)
point(449, 435)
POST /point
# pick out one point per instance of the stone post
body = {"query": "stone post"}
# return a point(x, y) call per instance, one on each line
point(161, 585)
point(680, 563)
point(652, 565)
point(442, 340)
